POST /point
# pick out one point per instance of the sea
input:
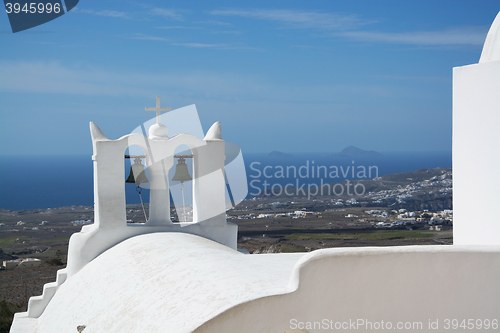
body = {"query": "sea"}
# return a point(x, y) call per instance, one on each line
point(40, 182)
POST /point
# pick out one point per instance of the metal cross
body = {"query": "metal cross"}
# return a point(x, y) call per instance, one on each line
point(158, 109)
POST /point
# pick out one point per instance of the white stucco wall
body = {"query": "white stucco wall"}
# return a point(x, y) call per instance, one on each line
point(407, 284)
point(176, 282)
point(476, 154)
point(161, 282)
point(476, 146)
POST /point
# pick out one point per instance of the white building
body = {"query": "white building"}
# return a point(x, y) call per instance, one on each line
point(165, 277)
point(21, 263)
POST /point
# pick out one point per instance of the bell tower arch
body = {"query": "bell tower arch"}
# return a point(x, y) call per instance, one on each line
point(208, 190)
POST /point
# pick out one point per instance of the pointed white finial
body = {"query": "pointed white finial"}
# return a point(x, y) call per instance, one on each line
point(214, 133)
point(491, 48)
point(96, 133)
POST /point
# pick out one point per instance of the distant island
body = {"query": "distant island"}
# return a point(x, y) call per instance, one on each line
point(278, 154)
point(352, 151)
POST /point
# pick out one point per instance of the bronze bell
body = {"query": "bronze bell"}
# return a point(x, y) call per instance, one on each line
point(137, 174)
point(181, 171)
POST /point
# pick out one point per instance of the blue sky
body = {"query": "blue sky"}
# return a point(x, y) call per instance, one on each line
point(293, 76)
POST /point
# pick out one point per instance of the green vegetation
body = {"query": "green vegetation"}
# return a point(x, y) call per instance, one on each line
point(287, 248)
point(7, 311)
point(377, 235)
point(9, 241)
point(55, 262)
point(53, 240)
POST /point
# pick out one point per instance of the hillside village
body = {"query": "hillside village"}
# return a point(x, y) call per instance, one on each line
point(437, 186)
point(377, 217)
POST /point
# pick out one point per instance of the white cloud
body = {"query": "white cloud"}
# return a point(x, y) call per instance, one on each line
point(166, 13)
point(45, 77)
point(218, 46)
point(349, 26)
point(108, 13)
point(216, 23)
point(299, 18)
point(200, 45)
point(227, 32)
point(451, 36)
point(147, 37)
point(52, 77)
point(221, 46)
point(179, 27)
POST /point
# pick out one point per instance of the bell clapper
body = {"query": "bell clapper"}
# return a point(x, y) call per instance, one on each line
point(183, 203)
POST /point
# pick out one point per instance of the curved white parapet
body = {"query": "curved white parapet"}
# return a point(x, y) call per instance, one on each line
point(176, 282)
point(168, 282)
point(357, 289)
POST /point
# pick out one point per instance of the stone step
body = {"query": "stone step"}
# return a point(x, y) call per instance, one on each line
point(37, 304)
